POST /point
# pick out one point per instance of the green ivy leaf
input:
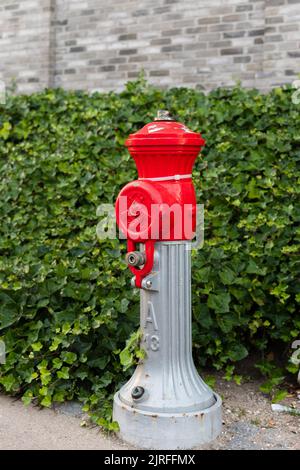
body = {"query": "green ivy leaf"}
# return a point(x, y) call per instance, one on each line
point(9, 312)
point(63, 373)
point(237, 352)
point(227, 276)
point(219, 302)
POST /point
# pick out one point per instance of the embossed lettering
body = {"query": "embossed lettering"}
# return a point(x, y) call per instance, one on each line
point(151, 318)
point(152, 342)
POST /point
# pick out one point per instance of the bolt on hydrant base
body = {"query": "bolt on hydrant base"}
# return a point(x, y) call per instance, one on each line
point(165, 404)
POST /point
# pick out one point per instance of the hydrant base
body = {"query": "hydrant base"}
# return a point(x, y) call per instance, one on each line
point(167, 431)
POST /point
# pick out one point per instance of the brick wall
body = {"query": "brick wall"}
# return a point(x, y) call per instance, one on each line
point(25, 43)
point(97, 44)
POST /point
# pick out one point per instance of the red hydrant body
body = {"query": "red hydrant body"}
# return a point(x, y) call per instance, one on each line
point(161, 204)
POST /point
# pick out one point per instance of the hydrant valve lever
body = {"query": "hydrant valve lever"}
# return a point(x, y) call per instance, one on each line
point(165, 404)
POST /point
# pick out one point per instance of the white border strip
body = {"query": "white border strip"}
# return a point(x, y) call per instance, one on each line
point(165, 178)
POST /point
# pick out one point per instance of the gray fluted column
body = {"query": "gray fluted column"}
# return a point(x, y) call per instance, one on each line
point(175, 400)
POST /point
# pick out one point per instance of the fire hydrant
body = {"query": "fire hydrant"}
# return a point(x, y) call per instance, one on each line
point(165, 404)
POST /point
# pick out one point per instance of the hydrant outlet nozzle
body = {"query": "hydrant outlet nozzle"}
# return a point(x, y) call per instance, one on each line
point(135, 258)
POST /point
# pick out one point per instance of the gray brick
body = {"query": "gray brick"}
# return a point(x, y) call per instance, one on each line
point(127, 67)
point(210, 37)
point(107, 68)
point(171, 32)
point(289, 27)
point(185, 24)
point(160, 41)
point(117, 60)
point(142, 12)
point(95, 62)
point(174, 48)
point(234, 17)
point(274, 38)
point(196, 30)
point(138, 58)
point(232, 51)
point(195, 46)
point(274, 3)
point(12, 7)
point(274, 20)
point(270, 29)
point(172, 16)
point(159, 73)
point(118, 30)
point(128, 51)
point(87, 12)
point(209, 20)
point(294, 54)
point(72, 42)
point(256, 32)
point(257, 49)
point(133, 74)
point(244, 26)
point(221, 27)
point(127, 37)
point(61, 22)
point(160, 10)
point(244, 8)
point(219, 44)
point(234, 34)
point(222, 9)
point(19, 13)
point(78, 49)
point(245, 59)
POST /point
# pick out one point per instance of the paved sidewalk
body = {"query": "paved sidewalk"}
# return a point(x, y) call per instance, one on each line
point(248, 423)
point(33, 428)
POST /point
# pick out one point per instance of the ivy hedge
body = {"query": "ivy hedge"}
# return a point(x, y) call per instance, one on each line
point(66, 308)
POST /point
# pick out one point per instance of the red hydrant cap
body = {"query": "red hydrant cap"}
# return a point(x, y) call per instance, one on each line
point(164, 148)
point(169, 132)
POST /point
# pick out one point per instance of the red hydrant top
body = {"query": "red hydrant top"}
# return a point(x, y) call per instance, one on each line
point(164, 148)
point(161, 204)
